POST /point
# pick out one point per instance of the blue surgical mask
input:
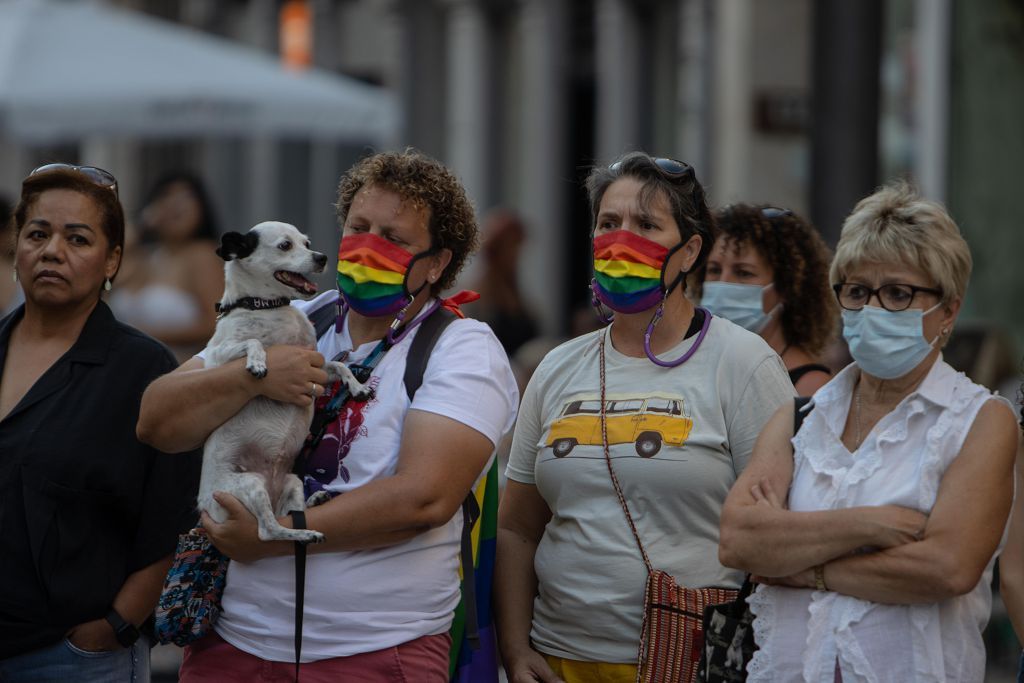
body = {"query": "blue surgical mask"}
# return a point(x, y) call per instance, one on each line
point(742, 304)
point(887, 344)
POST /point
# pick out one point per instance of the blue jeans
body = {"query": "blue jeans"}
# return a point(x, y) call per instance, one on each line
point(65, 662)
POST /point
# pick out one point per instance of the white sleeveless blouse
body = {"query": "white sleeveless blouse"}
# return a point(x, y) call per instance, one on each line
point(802, 632)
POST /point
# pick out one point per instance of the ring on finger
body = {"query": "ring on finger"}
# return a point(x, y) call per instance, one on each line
point(312, 389)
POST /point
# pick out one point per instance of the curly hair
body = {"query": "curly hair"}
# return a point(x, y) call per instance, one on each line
point(799, 260)
point(426, 183)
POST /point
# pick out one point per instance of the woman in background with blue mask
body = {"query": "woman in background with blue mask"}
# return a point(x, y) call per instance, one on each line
point(768, 272)
point(875, 528)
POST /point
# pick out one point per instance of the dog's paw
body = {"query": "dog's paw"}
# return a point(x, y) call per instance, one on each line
point(257, 369)
point(365, 393)
point(318, 498)
point(308, 536)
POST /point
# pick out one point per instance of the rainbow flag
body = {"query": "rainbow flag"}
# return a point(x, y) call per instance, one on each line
point(627, 271)
point(371, 273)
point(481, 665)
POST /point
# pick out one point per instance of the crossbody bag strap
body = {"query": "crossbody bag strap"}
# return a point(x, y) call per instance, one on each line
point(608, 461)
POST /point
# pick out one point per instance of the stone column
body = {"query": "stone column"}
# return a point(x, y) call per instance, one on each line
point(731, 121)
point(931, 103)
point(542, 191)
point(469, 103)
point(620, 96)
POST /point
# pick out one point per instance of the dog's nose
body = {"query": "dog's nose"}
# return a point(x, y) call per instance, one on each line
point(319, 259)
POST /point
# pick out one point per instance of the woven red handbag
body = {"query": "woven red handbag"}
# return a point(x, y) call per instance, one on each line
point(672, 635)
point(672, 631)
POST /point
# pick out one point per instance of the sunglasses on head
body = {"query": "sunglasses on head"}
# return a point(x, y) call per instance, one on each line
point(672, 168)
point(96, 175)
point(770, 212)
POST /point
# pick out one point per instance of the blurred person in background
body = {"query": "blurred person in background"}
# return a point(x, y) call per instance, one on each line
point(501, 302)
point(768, 272)
point(874, 529)
point(173, 275)
point(10, 292)
point(570, 578)
point(381, 589)
point(90, 515)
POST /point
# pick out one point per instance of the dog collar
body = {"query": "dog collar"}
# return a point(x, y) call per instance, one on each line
point(251, 303)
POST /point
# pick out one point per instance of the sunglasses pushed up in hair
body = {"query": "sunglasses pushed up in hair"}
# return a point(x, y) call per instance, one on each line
point(771, 212)
point(95, 175)
point(673, 169)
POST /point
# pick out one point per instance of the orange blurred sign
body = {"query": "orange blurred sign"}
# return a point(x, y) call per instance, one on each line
point(296, 34)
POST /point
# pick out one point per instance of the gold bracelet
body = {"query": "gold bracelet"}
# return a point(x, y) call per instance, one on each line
point(819, 577)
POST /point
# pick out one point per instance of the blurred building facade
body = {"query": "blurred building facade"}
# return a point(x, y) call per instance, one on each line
point(808, 104)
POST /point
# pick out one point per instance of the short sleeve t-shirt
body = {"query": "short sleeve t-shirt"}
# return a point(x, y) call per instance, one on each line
point(678, 438)
point(366, 600)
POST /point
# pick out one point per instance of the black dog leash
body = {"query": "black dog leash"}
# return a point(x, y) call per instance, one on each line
point(299, 522)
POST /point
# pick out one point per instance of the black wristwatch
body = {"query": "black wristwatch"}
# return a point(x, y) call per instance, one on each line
point(125, 632)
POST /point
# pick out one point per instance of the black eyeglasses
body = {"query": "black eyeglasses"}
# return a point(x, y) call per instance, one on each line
point(771, 212)
point(672, 168)
point(893, 297)
point(96, 175)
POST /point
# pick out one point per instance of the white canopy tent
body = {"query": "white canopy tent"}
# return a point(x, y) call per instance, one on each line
point(74, 69)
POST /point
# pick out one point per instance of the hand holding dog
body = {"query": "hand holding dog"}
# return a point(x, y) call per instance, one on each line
point(237, 537)
point(291, 372)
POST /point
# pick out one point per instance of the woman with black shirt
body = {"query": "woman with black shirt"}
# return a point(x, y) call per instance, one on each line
point(88, 515)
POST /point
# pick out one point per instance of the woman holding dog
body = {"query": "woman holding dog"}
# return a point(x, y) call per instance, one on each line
point(668, 397)
point(380, 591)
point(88, 515)
point(874, 529)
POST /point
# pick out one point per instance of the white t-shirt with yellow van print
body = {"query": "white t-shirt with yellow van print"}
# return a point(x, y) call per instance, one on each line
point(678, 438)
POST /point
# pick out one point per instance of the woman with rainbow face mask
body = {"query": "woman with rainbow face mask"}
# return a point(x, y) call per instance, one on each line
point(768, 272)
point(681, 395)
point(391, 471)
point(873, 530)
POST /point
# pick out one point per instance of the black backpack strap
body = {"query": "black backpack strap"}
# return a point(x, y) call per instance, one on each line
point(798, 411)
point(422, 346)
point(415, 365)
point(323, 317)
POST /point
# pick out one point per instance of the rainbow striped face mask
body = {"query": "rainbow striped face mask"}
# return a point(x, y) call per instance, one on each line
point(628, 271)
point(373, 274)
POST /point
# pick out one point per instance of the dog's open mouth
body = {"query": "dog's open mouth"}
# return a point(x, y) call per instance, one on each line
point(295, 281)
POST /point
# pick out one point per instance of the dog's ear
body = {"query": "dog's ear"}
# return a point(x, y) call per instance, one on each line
point(236, 245)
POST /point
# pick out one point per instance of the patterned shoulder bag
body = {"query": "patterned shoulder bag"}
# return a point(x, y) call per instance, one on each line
point(672, 631)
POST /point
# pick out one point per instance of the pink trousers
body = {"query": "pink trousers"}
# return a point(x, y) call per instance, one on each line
point(214, 660)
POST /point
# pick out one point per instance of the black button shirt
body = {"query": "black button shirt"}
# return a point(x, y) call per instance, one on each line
point(83, 503)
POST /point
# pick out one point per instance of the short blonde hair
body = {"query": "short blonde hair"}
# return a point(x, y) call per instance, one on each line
point(897, 225)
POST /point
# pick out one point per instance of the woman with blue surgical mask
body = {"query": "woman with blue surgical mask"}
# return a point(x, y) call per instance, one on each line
point(873, 530)
point(768, 273)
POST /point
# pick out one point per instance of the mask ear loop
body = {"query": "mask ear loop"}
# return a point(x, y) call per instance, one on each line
point(656, 318)
point(394, 336)
point(605, 318)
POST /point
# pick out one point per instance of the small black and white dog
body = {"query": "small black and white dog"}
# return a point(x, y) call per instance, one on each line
point(251, 455)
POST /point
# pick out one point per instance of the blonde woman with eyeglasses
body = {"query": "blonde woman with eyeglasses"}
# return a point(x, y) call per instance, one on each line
point(874, 529)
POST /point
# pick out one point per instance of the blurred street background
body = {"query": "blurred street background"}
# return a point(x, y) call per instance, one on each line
point(804, 104)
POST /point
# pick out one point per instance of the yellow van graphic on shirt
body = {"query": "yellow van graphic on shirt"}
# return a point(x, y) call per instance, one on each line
point(647, 422)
